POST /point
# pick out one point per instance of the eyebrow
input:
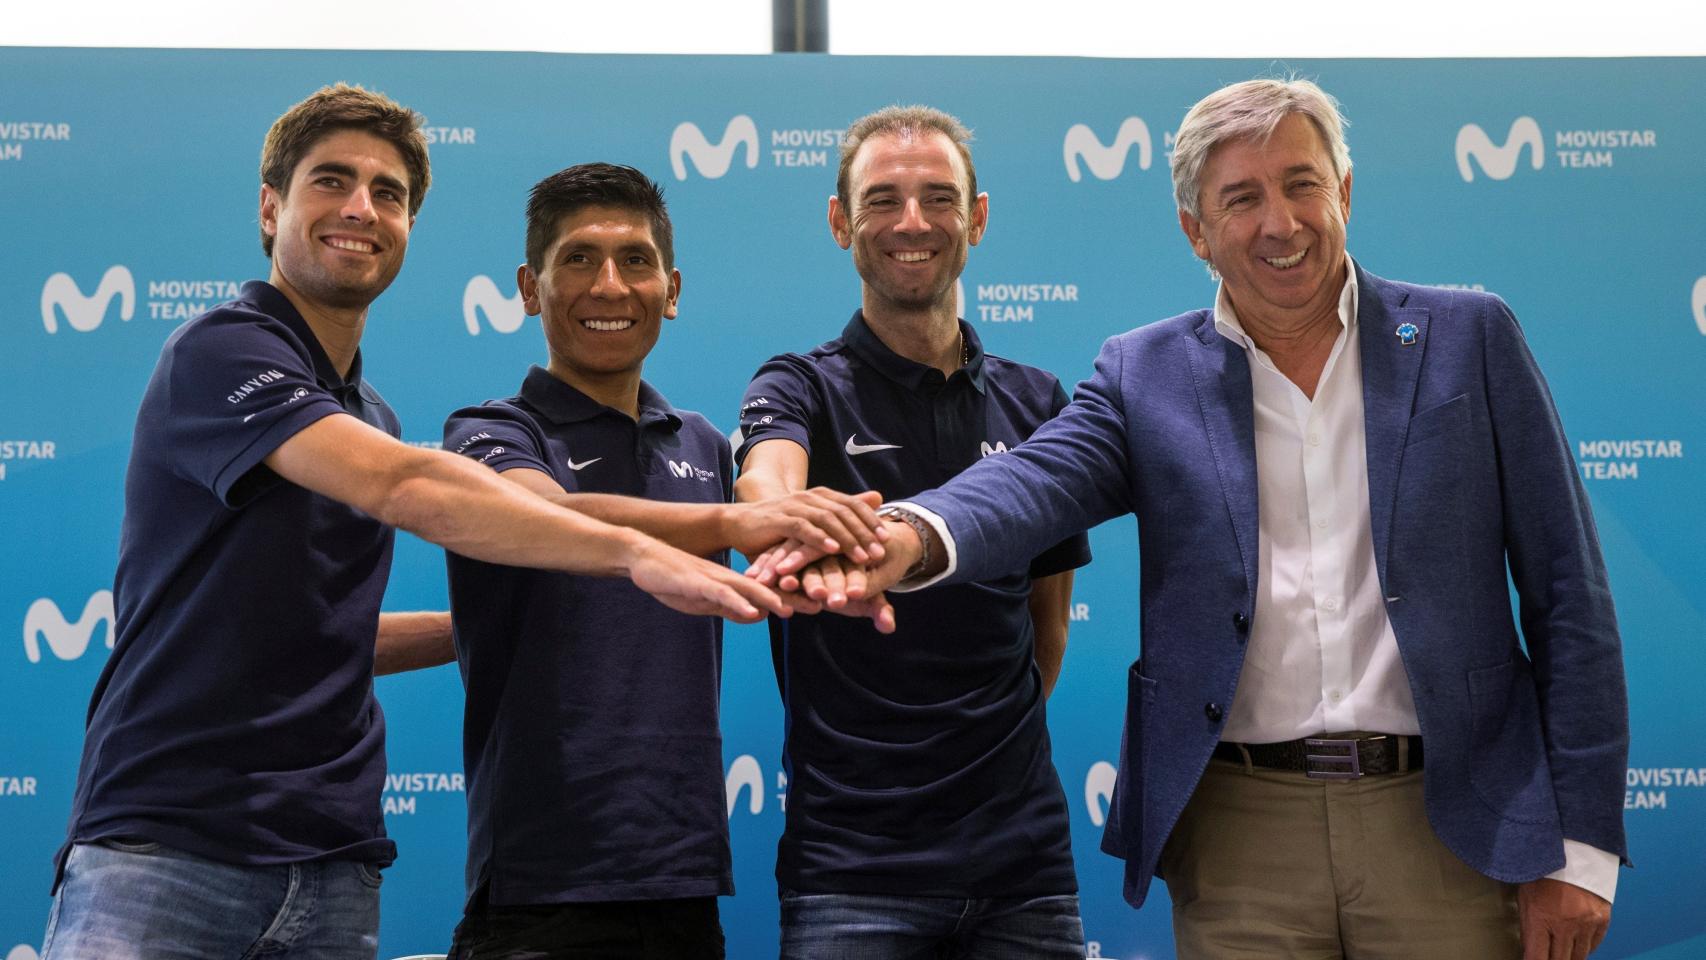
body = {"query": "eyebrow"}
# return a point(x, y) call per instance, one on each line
point(881, 188)
point(349, 172)
point(1249, 182)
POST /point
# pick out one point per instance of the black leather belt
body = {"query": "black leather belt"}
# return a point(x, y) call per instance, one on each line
point(1326, 758)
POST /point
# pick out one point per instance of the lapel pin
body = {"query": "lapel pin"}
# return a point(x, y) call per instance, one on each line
point(1407, 334)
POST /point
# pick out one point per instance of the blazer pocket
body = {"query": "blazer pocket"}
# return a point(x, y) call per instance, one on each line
point(1452, 416)
point(1507, 761)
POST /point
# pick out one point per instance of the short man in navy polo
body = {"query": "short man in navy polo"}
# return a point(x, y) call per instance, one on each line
point(596, 820)
point(924, 813)
point(228, 801)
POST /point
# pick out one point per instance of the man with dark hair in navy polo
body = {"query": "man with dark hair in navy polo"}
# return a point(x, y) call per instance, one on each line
point(924, 814)
point(596, 815)
point(228, 800)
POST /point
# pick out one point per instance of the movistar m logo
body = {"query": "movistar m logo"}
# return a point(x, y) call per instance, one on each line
point(1499, 162)
point(45, 621)
point(1107, 162)
point(684, 470)
point(1700, 305)
point(744, 774)
point(503, 314)
point(61, 295)
point(1099, 790)
point(999, 446)
point(712, 161)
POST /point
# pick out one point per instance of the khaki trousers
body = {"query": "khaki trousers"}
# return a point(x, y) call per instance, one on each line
point(1272, 864)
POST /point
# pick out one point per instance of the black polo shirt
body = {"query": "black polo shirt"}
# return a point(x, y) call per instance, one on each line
point(235, 718)
point(918, 763)
point(590, 737)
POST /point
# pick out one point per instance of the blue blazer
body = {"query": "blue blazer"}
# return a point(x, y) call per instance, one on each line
point(1469, 474)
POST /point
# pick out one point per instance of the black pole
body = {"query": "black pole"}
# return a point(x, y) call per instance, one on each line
point(799, 26)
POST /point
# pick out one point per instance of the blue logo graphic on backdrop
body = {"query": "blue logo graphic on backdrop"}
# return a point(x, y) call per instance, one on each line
point(503, 314)
point(1106, 162)
point(1099, 790)
point(1499, 162)
point(1700, 305)
point(61, 295)
point(45, 621)
point(712, 161)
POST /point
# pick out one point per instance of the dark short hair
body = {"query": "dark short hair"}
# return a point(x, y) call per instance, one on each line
point(595, 185)
point(344, 107)
point(894, 121)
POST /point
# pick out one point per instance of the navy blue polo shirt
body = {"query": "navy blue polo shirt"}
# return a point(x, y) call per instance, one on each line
point(918, 763)
point(590, 737)
point(235, 718)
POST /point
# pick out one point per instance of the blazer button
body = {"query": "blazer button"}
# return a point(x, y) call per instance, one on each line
point(1213, 712)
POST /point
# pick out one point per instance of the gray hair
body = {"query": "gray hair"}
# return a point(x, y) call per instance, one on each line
point(897, 120)
point(1250, 111)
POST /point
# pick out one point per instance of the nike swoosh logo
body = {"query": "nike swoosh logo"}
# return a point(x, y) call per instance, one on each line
point(583, 465)
point(854, 449)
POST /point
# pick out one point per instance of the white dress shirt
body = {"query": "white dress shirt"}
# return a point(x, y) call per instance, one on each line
point(1322, 657)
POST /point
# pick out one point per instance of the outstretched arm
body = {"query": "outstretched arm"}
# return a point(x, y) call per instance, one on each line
point(462, 506)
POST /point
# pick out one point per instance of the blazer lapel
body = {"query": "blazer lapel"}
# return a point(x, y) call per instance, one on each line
point(1221, 371)
point(1393, 340)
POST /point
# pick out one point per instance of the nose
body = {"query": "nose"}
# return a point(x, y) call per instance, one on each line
point(1278, 219)
point(912, 218)
point(358, 206)
point(608, 283)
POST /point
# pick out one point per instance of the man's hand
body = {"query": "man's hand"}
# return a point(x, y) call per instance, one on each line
point(811, 524)
point(690, 584)
point(841, 586)
point(1560, 921)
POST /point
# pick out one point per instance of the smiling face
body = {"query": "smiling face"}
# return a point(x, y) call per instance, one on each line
point(602, 291)
point(912, 219)
point(1273, 225)
point(340, 230)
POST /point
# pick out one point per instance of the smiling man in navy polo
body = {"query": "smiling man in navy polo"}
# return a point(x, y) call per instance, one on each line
point(924, 814)
point(596, 821)
point(228, 800)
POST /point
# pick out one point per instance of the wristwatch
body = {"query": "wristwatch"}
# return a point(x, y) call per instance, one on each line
point(925, 536)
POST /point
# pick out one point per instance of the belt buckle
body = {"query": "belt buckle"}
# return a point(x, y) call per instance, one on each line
point(1345, 766)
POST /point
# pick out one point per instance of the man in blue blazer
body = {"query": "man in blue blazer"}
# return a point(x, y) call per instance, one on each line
point(1331, 474)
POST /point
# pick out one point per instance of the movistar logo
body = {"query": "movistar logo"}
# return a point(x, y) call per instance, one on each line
point(683, 470)
point(744, 774)
point(712, 161)
point(999, 446)
point(503, 314)
point(1499, 162)
point(61, 295)
point(1700, 305)
point(45, 621)
point(1106, 162)
point(1099, 790)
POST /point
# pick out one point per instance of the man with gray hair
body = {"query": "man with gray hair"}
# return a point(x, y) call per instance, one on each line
point(1332, 474)
point(924, 814)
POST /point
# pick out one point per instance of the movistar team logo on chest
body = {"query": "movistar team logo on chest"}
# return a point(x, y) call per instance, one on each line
point(683, 470)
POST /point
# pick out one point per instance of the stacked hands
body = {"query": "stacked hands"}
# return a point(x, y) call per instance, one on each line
point(808, 551)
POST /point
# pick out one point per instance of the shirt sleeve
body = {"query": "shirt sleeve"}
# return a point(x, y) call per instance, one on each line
point(1590, 868)
point(781, 402)
point(237, 385)
point(496, 435)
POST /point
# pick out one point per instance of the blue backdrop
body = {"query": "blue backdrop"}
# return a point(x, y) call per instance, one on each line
point(128, 194)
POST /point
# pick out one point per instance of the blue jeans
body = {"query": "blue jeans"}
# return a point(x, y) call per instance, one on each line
point(129, 901)
point(847, 926)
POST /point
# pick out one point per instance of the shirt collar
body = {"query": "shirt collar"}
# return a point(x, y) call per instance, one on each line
point(272, 302)
point(563, 403)
point(1226, 319)
point(907, 372)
